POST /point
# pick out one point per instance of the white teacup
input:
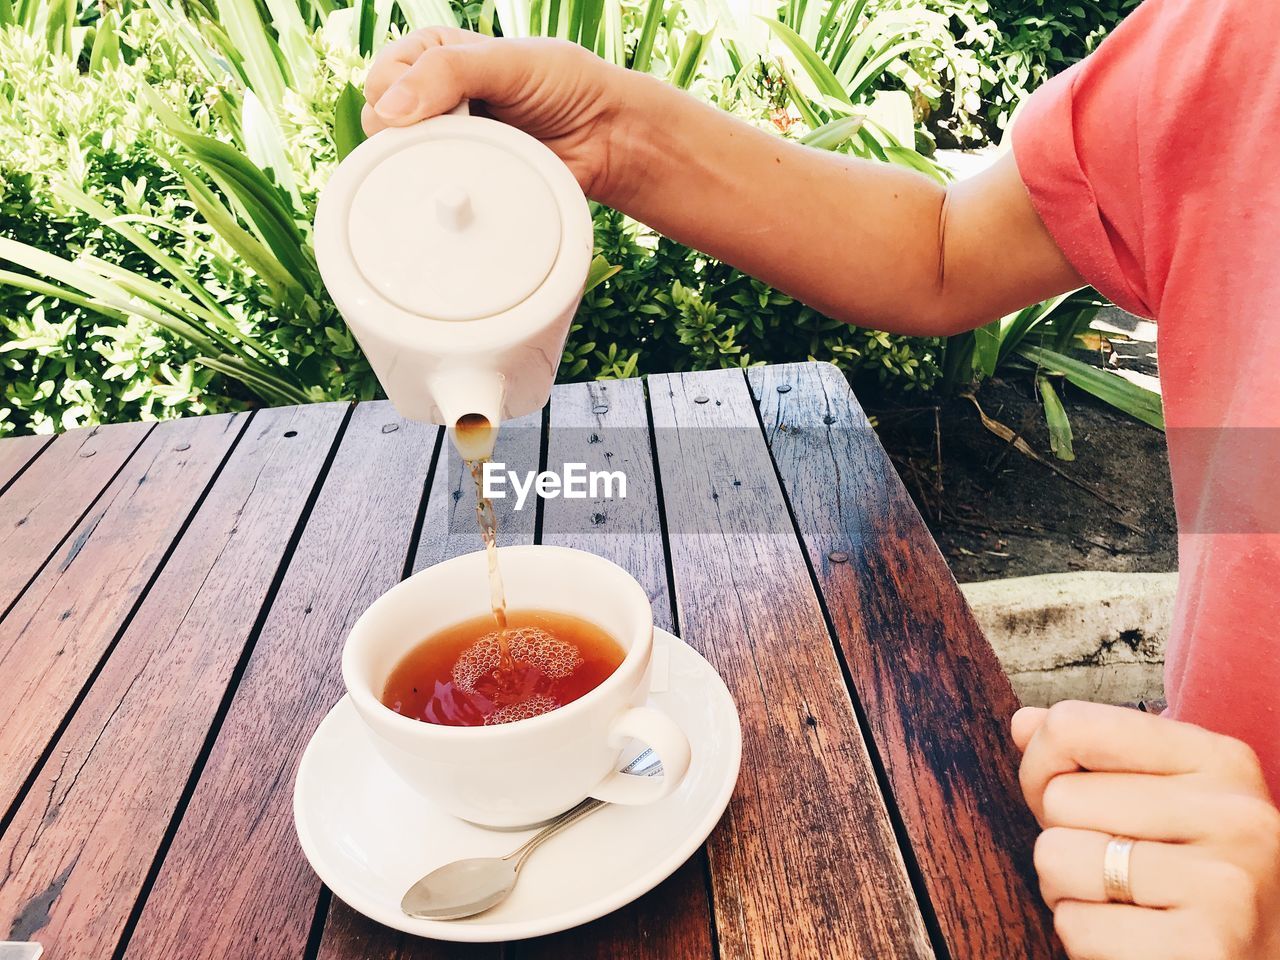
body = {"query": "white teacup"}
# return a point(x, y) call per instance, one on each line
point(520, 773)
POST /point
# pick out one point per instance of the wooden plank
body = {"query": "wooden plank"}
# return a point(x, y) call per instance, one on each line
point(605, 426)
point(350, 936)
point(448, 530)
point(805, 863)
point(79, 848)
point(17, 452)
point(934, 695)
point(234, 882)
point(54, 637)
point(47, 500)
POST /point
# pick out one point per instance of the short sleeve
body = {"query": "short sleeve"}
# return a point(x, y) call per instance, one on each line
point(1076, 142)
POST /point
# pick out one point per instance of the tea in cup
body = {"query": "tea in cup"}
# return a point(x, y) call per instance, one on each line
point(510, 728)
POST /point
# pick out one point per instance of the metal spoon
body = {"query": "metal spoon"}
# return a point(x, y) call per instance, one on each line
point(467, 887)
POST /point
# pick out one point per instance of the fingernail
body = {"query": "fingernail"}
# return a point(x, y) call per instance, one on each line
point(395, 104)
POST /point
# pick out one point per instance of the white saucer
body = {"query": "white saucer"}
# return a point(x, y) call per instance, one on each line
point(369, 836)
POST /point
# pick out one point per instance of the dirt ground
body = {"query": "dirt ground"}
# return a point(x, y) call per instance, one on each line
point(997, 513)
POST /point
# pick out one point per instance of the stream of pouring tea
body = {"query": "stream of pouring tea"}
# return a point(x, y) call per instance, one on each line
point(488, 522)
point(473, 436)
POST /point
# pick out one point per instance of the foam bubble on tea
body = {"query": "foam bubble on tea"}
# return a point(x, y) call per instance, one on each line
point(458, 676)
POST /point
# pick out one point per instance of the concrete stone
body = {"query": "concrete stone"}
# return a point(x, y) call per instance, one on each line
point(1083, 636)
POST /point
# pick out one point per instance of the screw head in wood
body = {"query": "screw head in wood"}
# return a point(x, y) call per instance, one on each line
point(390, 427)
point(87, 453)
point(600, 409)
point(701, 399)
point(784, 388)
point(838, 556)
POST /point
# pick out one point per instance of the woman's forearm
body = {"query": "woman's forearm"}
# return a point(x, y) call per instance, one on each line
point(855, 239)
point(865, 242)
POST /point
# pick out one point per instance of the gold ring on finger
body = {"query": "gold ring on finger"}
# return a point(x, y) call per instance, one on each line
point(1115, 870)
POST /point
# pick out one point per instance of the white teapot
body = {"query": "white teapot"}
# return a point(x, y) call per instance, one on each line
point(457, 251)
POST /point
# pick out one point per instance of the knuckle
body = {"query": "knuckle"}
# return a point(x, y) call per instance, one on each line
point(1265, 821)
point(1198, 935)
point(1233, 909)
point(445, 67)
point(1239, 760)
point(1253, 821)
point(1216, 943)
point(1063, 716)
point(1231, 884)
point(428, 35)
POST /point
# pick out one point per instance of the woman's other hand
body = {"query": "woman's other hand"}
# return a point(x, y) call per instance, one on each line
point(1204, 871)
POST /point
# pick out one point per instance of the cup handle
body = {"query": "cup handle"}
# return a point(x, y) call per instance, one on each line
point(664, 736)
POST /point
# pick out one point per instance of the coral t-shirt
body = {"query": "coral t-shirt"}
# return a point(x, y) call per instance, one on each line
point(1155, 165)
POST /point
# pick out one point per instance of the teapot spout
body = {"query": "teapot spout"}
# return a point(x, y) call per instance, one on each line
point(470, 405)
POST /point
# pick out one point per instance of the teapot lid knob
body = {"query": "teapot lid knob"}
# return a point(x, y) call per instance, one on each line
point(453, 208)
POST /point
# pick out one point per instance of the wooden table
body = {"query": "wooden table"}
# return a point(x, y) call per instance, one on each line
point(175, 597)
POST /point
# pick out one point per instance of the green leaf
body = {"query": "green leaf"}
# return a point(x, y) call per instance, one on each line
point(347, 130)
point(106, 43)
point(247, 31)
point(833, 134)
point(906, 157)
point(812, 64)
point(258, 199)
point(654, 14)
point(292, 31)
point(1025, 321)
point(261, 380)
point(986, 349)
point(600, 271)
point(264, 143)
point(214, 310)
point(97, 288)
point(690, 59)
point(872, 71)
point(58, 27)
point(1055, 415)
point(428, 13)
point(368, 17)
point(197, 46)
point(802, 104)
point(838, 12)
point(250, 249)
point(1128, 397)
point(44, 288)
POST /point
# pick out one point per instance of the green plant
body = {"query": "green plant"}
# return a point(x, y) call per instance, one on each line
point(1036, 338)
point(990, 54)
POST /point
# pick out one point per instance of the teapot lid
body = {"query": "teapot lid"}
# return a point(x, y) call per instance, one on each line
point(451, 219)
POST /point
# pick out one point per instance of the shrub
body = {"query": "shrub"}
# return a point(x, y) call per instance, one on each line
point(157, 184)
point(990, 54)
